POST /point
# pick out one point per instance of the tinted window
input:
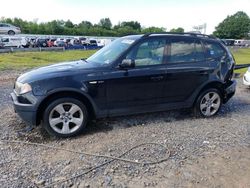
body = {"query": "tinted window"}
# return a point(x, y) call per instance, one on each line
point(4, 25)
point(215, 50)
point(5, 40)
point(149, 52)
point(182, 51)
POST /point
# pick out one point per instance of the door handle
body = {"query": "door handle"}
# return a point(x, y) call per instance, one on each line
point(157, 78)
point(203, 72)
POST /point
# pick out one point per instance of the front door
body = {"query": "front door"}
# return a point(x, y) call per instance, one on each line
point(142, 85)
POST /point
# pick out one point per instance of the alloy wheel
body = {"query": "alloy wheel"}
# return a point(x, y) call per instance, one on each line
point(210, 104)
point(66, 118)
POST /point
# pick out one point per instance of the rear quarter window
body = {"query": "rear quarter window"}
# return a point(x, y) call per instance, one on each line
point(215, 50)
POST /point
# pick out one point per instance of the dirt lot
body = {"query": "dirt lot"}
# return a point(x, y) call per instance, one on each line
point(212, 152)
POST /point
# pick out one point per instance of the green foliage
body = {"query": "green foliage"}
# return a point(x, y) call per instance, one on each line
point(60, 27)
point(153, 30)
point(105, 23)
point(134, 25)
point(69, 24)
point(178, 30)
point(236, 26)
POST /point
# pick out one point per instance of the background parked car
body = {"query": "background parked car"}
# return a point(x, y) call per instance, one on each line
point(60, 43)
point(228, 42)
point(57, 41)
point(103, 42)
point(41, 42)
point(9, 29)
point(50, 42)
point(246, 43)
point(32, 42)
point(242, 43)
point(92, 42)
point(18, 42)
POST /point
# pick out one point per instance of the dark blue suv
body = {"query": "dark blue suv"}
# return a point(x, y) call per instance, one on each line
point(134, 74)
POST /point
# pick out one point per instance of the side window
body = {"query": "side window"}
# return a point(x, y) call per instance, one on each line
point(5, 40)
point(182, 51)
point(215, 51)
point(149, 52)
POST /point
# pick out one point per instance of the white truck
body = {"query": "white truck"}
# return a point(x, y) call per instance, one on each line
point(242, 43)
point(18, 42)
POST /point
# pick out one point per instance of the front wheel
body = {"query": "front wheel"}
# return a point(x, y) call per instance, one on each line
point(208, 103)
point(65, 117)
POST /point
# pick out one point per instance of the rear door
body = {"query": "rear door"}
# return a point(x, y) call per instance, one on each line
point(187, 68)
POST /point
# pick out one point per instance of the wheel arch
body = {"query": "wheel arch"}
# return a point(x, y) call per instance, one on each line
point(11, 31)
point(68, 93)
point(214, 84)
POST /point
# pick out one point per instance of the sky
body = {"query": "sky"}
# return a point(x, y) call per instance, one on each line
point(160, 13)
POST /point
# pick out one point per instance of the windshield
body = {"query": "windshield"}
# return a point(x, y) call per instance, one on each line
point(109, 53)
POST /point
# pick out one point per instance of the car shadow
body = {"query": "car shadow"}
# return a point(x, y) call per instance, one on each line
point(108, 124)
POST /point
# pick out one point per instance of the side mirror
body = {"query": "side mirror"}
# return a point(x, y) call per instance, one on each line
point(127, 63)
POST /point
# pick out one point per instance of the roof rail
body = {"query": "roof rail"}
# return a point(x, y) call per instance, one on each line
point(176, 33)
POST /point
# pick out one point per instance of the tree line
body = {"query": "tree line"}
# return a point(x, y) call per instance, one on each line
point(236, 26)
point(103, 28)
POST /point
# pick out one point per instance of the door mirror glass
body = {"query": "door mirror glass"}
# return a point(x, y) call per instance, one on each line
point(127, 63)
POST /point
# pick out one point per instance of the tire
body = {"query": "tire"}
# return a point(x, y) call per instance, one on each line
point(11, 32)
point(208, 103)
point(65, 117)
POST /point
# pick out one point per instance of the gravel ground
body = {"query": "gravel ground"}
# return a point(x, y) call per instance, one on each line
point(213, 152)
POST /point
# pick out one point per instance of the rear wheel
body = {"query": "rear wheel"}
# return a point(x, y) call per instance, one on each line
point(65, 117)
point(11, 32)
point(208, 103)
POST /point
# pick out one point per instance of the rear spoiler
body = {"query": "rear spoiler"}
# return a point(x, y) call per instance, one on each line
point(242, 66)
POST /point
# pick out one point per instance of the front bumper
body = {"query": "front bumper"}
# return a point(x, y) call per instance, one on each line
point(230, 89)
point(26, 111)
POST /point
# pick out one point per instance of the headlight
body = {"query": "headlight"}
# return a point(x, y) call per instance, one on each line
point(21, 88)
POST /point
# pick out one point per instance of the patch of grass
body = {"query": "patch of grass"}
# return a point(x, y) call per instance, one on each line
point(242, 56)
point(28, 60)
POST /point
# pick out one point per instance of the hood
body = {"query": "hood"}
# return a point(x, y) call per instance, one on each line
point(56, 70)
